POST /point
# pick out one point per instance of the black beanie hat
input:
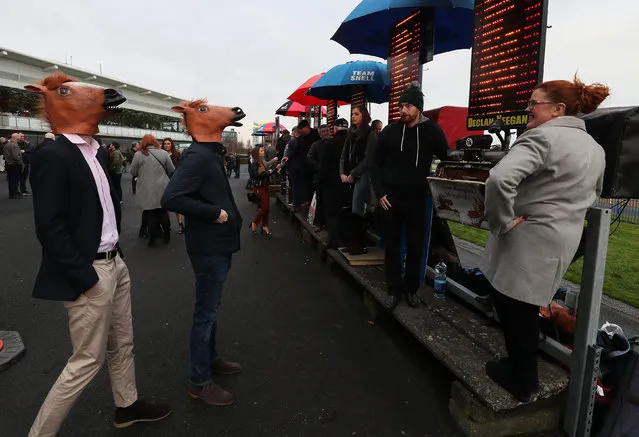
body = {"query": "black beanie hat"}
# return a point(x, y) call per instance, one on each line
point(413, 95)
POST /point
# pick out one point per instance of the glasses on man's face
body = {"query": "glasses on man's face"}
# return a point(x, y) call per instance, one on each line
point(533, 103)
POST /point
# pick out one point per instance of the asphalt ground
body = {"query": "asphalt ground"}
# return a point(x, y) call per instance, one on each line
point(315, 365)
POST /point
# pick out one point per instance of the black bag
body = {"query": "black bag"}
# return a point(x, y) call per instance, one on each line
point(617, 130)
point(620, 418)
point(254, 197)
point(474, 280)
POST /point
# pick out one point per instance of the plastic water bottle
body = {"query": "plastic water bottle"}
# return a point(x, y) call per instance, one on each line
point(440, 280)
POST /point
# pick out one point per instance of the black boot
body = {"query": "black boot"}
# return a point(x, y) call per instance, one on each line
point(392, 300)
point(502, 373)
point(140, 411)
point(413, 300)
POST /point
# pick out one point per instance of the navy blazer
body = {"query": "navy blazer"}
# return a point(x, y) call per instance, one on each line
point(68, 219)
point(199, 189)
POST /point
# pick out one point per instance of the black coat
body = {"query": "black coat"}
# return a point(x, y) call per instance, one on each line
point(259, 180)
point(336, 194)
point(299, 150)
point(68, 219)
point(200, 189)
point(281, 145)
point(44, 142)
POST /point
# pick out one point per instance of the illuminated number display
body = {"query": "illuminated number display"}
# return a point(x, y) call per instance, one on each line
point(358, 99)
point(507, 60)
point(331, 112)
point(405, 56)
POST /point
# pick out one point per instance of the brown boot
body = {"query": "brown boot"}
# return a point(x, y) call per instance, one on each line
point(212, 394)
point(223, 367)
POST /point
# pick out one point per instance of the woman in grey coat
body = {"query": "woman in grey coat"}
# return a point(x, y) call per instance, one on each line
point(536, 202)
point(152, 167)
point(354, 168)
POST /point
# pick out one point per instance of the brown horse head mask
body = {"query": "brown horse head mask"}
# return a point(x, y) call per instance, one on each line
point(73, 108)
point(205, 122)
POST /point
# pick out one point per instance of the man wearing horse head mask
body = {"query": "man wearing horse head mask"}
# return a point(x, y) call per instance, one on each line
point(77, 218)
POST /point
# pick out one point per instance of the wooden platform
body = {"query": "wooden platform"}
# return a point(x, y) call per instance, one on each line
point(374, 257)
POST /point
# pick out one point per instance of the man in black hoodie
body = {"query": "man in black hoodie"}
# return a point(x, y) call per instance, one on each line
point(401, 164)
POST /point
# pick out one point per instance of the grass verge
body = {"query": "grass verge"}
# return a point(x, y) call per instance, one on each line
point(622, 265)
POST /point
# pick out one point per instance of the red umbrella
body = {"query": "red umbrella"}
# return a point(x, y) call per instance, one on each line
point(294, 109)
point(269, 128)
point(299, 95)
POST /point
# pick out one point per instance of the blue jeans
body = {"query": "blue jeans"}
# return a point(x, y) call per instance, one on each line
point(210, 275)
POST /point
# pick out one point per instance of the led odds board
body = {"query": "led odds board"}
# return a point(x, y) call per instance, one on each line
point(411, 45)
point(507, 60)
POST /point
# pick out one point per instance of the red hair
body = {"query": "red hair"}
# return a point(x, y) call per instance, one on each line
point(576, 95)
point(148, 140)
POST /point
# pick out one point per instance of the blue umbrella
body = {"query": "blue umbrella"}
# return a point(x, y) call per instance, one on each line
point(367, 29)
point(341, 81)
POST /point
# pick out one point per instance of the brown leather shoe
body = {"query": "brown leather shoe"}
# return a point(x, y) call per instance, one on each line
point(212, 394)
point(223, 367)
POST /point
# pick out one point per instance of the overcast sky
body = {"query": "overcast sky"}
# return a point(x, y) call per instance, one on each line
point(254, 53)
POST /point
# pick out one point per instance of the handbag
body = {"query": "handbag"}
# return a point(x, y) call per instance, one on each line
point(254, 197)
point(160, 162)
point(251, 194)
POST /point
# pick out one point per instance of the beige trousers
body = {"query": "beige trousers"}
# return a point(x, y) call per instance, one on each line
point(101, 326)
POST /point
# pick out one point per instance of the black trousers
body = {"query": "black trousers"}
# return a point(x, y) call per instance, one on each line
point(157, 222)
point(13, 177)
point(320, 215)
point(409, 212)
point(117, 183)
point(300, 189)
point(355, 226)
point(520, 322)
point(23, 178)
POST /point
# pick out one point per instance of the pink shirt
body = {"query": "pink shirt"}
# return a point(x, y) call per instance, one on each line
point(109, 225)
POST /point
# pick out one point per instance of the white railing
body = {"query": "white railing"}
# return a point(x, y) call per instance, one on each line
point(9, 122)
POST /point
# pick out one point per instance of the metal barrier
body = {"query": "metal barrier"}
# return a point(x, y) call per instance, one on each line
point(625, 210)
point(583, 359)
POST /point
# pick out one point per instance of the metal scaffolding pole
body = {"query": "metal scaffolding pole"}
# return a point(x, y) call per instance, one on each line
point(575, 422)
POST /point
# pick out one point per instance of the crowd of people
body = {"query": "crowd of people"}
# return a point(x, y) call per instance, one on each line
point(15, 160)
point(232, 164)
point(351, 170)
point(150, 166)
point(347, 171)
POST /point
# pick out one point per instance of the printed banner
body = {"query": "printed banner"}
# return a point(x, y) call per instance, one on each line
point(511, 120)
point(459, 201)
